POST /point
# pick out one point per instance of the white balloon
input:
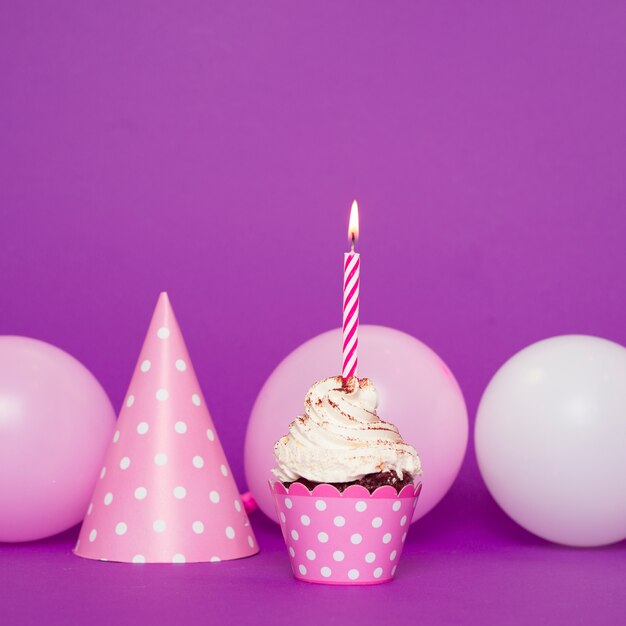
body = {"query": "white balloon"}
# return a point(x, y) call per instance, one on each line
point(551, 439)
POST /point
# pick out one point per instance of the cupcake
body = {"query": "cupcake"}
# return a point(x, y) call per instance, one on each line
point(346, 486)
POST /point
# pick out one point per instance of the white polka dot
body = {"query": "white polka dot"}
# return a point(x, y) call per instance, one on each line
point(179, 492)
point(195, 398)
point(237, 506)
point(108, 498)
point(162, 395)
point(121, 528)
point(403, 537)
point(130, 401)
point(160, 458)
point(215, 559)
point(145, 366)
point(403, 520)
point(288, 503)
point(360, 506)
point(214, 497)
point(393, 555)
point(163, 332)
point(305, 520)
point(396, 505)
point(302, 569)
point(283, 519)
point(198, 462)
point(181, 366)
point(353, 574)
point(338, 555)
point(224, 470)
point(339, 521)
point(116, 436)
point(159, 526)
point(93, 534)
point(310, 554)
point(250, 541)
point(294, 535)
point(178, 558)
point(103, 472)
point(139, 558)
point(370, 557)
point(325, 572)
point(320, 505)
point(230, 532)
point(180, 428)
point(378, 572)
point(386, 537)
point(141, 493)
point(393, 570)
point(142, 428)
point(124, 463)
point(292, 552)
point(377, 522)
point(90, 508)
point(322, 537)
point(198, 527)
point(210, 434)
point(356, 539)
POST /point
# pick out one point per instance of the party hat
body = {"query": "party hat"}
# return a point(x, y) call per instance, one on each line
point(166, 492)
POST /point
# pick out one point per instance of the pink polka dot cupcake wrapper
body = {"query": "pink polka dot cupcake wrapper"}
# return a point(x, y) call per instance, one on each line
point(349, 538)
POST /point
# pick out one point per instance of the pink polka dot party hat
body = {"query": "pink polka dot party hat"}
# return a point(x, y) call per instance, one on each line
point(165, 493)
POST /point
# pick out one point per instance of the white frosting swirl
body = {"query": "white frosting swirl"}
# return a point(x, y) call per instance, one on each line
point(341, 438)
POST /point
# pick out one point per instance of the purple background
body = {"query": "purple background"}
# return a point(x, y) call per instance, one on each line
point(213, 149)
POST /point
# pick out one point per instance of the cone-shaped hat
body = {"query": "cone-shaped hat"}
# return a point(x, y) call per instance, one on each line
point(166, 492)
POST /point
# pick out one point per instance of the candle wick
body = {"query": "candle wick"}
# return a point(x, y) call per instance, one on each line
point(352, 243)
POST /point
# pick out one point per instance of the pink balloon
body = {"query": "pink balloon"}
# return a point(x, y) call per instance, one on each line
point(417, 393)
point(55, 424)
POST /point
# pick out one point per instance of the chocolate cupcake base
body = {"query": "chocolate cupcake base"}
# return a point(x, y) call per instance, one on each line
point(371, 482)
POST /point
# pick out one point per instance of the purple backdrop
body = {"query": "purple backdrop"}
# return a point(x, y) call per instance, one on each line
point(213, 149)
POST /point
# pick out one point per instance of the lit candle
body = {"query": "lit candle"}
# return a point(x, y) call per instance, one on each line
point(351, 270)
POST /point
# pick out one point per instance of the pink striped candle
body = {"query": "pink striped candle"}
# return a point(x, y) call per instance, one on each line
point(351, 271)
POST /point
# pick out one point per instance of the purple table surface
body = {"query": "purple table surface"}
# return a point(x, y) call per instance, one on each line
point(475, 567)
point(212, 149)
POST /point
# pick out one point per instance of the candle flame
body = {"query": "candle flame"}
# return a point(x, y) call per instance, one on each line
point(353, 227)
